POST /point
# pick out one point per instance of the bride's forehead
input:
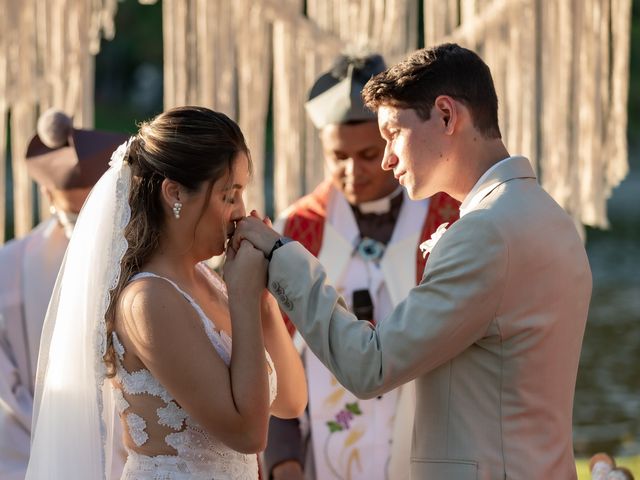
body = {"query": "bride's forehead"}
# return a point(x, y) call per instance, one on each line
point(240, 166)
point(240, 173)
point(236, 176)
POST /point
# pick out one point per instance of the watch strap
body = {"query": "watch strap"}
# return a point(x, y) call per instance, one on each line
point(279, 242)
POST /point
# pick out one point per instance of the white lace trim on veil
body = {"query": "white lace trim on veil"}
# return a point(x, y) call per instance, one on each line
point(72, 432)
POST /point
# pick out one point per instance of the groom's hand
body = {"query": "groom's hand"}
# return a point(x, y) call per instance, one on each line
point(256, 231)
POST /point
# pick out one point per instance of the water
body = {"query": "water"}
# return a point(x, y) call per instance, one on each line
point(607, 402)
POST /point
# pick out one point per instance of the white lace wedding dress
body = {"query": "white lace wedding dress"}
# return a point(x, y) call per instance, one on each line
point(73, 424)
point(199, 456)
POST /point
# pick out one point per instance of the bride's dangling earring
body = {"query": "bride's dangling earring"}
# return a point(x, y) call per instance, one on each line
point(177, 206)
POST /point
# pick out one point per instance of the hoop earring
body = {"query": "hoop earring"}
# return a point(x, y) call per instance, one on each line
point(176, 209)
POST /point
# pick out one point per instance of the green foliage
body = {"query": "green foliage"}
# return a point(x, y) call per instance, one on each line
point(125, 63)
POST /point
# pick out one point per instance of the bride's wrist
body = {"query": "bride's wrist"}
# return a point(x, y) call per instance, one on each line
point(269, 305)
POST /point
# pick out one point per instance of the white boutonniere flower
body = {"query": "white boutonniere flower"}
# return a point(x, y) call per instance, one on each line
point(427, 246)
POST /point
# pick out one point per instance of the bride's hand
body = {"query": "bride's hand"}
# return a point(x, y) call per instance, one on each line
point(257, 230)
point(245, 271)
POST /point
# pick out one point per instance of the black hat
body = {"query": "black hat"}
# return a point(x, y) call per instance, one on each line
point(62, 157)
point(336, 96)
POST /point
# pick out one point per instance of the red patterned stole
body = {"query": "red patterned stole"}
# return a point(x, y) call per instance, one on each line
point(305, 223)
point(442, 209)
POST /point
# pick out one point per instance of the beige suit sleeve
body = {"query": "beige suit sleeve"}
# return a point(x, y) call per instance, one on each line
point(447, 312)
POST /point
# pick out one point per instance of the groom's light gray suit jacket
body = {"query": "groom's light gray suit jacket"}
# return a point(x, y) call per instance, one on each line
point(492, 335)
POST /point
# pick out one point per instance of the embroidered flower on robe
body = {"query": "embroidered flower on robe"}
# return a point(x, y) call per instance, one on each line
point(344, 417)
point(427, 246)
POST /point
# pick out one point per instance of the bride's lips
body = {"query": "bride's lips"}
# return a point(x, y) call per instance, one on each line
point(229, 237)
point(231, 230)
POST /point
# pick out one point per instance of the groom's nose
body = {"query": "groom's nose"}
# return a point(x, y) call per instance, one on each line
point(389, 159)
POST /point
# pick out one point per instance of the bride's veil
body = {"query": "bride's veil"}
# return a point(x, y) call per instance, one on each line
point(72, 427)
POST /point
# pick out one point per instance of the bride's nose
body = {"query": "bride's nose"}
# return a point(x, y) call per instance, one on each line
point(239, 210)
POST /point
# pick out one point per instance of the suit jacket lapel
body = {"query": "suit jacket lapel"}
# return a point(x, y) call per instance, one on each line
point(509, 169)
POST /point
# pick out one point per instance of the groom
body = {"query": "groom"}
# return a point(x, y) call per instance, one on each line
point(492, 334)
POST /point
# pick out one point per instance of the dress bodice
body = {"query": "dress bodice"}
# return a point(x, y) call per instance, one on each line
point(200, 456)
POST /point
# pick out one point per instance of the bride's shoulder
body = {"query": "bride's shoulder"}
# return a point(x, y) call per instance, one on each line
point(151, 300)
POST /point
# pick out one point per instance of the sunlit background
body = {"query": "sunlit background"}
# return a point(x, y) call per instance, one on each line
point(129, 89)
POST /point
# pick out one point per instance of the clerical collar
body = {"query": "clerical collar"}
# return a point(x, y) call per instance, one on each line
point(379, 226)
point(381, 205)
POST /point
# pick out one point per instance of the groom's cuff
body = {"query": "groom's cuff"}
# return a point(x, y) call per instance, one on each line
point(279, 242)
point(275, 277)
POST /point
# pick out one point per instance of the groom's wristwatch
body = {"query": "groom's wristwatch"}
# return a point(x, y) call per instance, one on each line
point(279, 242)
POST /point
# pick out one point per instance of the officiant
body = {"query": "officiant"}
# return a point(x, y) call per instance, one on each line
point(65, 162)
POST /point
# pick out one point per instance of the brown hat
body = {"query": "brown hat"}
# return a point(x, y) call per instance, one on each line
point(62, 157)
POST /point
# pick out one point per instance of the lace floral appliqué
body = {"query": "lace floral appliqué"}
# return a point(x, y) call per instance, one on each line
point(117, 346)
point(121, 402)
point(171, 416)
point(199, 455)
point(137, 427)
point(140, 382)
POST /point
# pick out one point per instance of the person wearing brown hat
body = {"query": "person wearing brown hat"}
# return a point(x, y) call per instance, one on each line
point(65, 162)
point(365, 230)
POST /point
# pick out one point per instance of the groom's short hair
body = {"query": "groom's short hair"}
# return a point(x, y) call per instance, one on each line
point(446, 69)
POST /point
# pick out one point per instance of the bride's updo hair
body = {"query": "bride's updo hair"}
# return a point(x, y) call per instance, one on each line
point(193, 146)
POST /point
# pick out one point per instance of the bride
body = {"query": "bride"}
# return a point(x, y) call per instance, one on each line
point(140, 327)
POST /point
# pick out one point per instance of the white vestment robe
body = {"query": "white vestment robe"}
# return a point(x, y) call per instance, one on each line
point(384, 424)
point(28, 270)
